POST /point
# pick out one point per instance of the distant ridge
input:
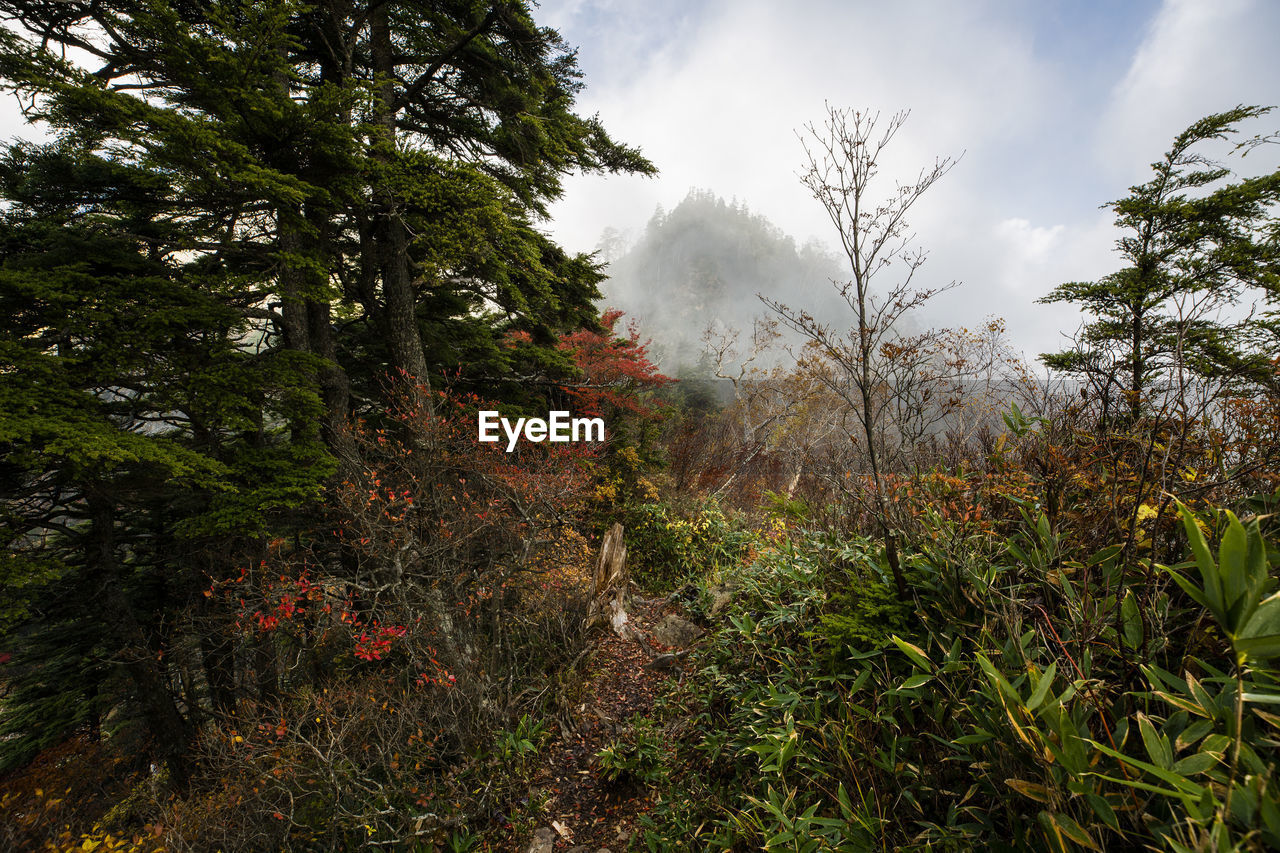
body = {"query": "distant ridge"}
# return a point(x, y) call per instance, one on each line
point(702, 265)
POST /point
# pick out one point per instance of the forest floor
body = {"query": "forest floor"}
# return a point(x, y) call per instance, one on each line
point(588, 811)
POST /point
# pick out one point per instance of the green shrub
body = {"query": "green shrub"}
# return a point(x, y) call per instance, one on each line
point(514, 747)
point(1044, 701)
point(767, 739)
point(634, 758)
point(859, 620)
point(666, 547)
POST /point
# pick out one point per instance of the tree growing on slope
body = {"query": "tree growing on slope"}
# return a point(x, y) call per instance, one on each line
point(253, 212)
point(876, 368)
point(1195, 246)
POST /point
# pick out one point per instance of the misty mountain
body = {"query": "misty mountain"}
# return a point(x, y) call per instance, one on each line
point(702, 265)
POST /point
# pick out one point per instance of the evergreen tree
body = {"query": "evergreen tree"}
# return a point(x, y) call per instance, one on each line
point(1194, 244)
point(111, 433)
point(252, 213)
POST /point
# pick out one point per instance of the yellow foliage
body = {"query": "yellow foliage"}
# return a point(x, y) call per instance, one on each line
point(104, 842)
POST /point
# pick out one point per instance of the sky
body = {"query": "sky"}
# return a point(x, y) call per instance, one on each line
point(1056, 108)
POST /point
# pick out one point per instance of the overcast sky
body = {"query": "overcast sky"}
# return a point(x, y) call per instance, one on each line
point(1057, 106)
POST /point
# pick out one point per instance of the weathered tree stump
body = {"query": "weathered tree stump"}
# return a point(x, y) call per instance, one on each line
point(609, 585)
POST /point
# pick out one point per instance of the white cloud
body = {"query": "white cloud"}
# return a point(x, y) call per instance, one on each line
point(1031, 243)
point(1025, 255)
point(1058, 110)
point(724, 117)
point(1199, 57)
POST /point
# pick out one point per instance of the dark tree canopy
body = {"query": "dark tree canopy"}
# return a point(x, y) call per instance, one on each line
point(252, 220)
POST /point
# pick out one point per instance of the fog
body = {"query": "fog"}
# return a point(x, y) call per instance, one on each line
point(702, 265)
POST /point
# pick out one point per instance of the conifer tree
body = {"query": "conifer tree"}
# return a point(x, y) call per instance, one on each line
point(251, 214)
point(1194, 243)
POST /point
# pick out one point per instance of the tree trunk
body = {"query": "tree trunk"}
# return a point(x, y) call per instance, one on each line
point(1135, 389)
point(265, 670)
point(398, 300)
point(292, 285)
point(609, 585)
point(167, 724)
point(306, 322)
point(865, 345)
point(335, 385)
point(218, 655)
point(304, 233)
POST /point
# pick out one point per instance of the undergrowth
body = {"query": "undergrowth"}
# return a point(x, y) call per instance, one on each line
point(1025, 699)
